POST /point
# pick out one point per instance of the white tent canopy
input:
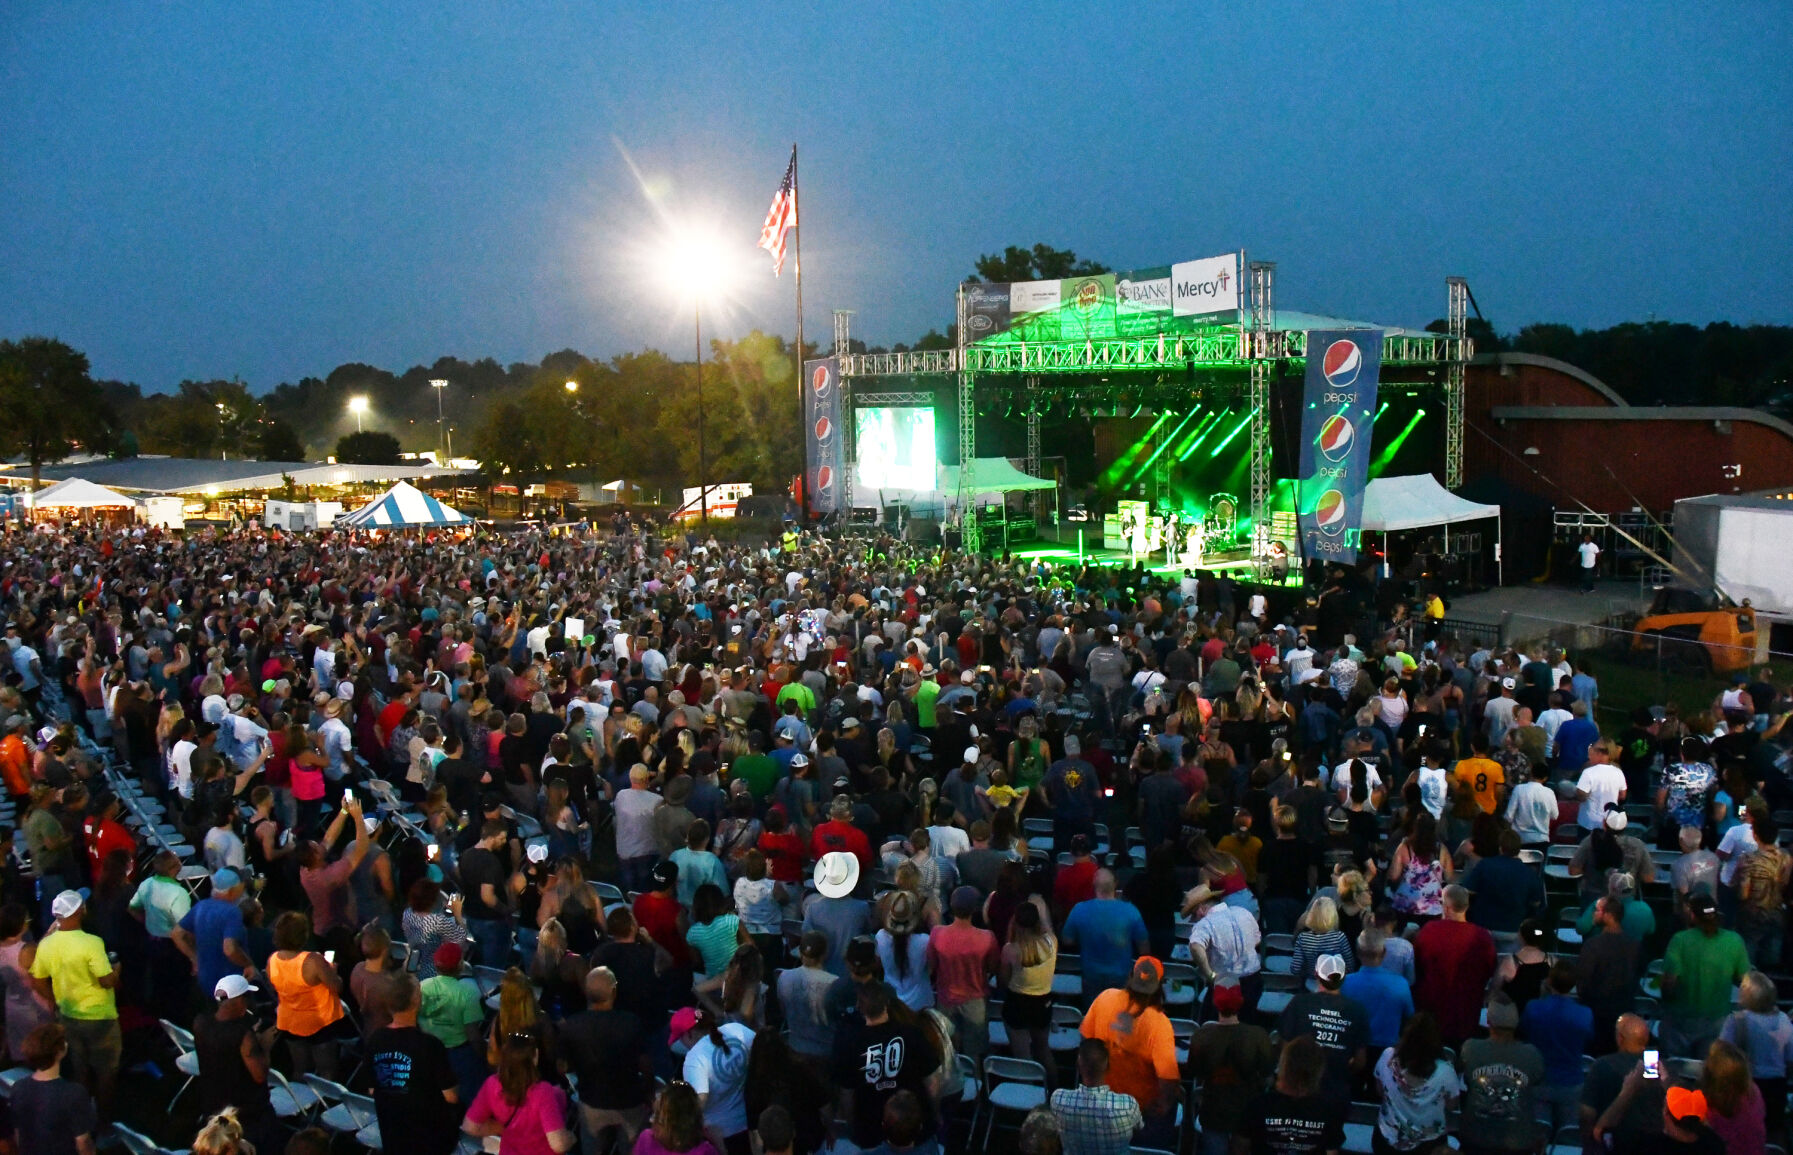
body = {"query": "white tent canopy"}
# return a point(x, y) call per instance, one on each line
point(1391, 504)
point(401, 507)
point(991, 475)
point(79, 493)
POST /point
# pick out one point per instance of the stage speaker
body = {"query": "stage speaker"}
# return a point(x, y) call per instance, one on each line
point(1285, 423)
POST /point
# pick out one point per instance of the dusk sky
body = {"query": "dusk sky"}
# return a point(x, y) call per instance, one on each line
point(268, 190)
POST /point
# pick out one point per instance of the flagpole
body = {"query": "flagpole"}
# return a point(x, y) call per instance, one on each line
point(797, 255)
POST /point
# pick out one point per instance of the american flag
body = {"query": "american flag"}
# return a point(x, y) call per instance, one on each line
point(781, 218)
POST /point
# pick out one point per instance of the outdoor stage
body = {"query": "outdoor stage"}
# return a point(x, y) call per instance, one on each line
point(1183, 378)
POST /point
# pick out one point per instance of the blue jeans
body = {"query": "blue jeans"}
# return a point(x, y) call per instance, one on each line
point(494, 938)
point(637, 873)
point(469, 1069)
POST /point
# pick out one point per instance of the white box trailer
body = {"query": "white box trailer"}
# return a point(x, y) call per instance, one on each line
point(163, 512)
point(292, 515)
point(1742, 544)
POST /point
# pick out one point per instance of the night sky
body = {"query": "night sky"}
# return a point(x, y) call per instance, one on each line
point(215, 189)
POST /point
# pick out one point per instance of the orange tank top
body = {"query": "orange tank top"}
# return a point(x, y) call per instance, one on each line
point(305, 1008)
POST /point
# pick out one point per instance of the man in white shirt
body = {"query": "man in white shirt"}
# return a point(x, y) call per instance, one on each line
point(1532, 808)
point(1590, 559)
point(336, 740)
point(1550, 720)
point(1299, 660)
point(1601, 783)
point(1497, 715)
point(1225, 940)
point(180, 759)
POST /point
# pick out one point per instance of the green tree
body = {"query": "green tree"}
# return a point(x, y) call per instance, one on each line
point(49, 402)
point(1040, 263)
point(280, 442)
point(504, 442)
point(371, 447)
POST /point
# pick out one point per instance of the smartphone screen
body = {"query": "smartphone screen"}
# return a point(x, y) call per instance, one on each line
point(348, 796)
point(330, 957)
point(1652, 1065)
point(434, 851)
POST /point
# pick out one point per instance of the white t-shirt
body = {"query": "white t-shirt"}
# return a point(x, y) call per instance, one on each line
point(1738, 841)
point(722, 1075)
point(1433, 788)
point(1603, 783)
point(1531, 810)
point(758, 909)
point(1590, 554)
point(223, 848)
point(180, 765)
point(948, 842)
point(1340, 779)
point(915, 989)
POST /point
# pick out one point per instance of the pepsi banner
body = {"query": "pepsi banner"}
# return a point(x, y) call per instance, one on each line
point(1337, 413)
point(822, 434)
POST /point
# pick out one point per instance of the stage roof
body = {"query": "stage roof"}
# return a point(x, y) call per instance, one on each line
point(992, 475)
point(202, 475)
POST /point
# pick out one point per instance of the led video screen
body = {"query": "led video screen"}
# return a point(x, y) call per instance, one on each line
point(894, 449)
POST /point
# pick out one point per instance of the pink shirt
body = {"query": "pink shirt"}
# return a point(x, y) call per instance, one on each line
point(646, 1144)
point(961, 958)
point(526, 1128)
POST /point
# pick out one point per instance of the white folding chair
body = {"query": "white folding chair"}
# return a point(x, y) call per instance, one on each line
point(1014, 1085)
point(9, 1077)
point(290, 1102)
point(186, 1059)
point(137, 1143)
point(1066, 1033)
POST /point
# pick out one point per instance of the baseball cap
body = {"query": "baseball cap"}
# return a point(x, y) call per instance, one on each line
point(666, 873)
point(1330, 968)
point(1700, 903)
point(226, 879)
point(233, 987)
point(971, 754)
point(66, 903)
point(798, 760)
point(683, 1020)
point(1147, 976)
point(965, 901)
point(447, 956)
point(1503, 1014)
point(1079, 844)
point(1229, 998)
point(1616, 820)
point(1687, 1103)
point(537, 852)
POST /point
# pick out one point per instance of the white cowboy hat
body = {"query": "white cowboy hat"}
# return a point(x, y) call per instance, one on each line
point(837, 874)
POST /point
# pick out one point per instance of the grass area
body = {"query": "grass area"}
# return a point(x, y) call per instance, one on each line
point(1623, 688)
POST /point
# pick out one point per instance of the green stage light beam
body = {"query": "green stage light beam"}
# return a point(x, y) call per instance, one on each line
point(1380, 412)
point(1122, 464)
point(1237, 429)
point(1387, 456)
point(1196, 434)
point(1162, 446)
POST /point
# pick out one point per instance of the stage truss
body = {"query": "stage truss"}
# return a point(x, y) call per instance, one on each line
point(1159, 378)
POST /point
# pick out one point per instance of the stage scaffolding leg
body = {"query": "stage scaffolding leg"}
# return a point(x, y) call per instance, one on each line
point(1453, 388)
point(1161, 466)
point(970, 536)
point(1263, 274)
point(842, 324)
point(1033, 445)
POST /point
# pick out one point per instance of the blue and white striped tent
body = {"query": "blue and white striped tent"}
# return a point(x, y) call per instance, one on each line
point(404, 506)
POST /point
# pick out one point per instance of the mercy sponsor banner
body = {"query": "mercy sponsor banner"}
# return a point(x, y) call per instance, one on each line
point(822, 433)
point(1198, 288)
point(1337, 412)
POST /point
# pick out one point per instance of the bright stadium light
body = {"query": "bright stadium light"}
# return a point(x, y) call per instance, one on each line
point(358, 406)
point(695, 263)
point(572, 386)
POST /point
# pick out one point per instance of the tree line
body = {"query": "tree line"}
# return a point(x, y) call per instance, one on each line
point(634, 415)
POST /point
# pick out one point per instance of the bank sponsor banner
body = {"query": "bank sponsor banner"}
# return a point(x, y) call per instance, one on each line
point(1198, 288)
point(1033, 297)
point(1141, 301)
point(986, 310)
point(1086, 308)
point(822, 434)
point(1337, 413)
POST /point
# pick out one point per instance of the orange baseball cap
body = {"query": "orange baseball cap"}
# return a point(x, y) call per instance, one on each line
point(1147, 976)
point(1687, 1103)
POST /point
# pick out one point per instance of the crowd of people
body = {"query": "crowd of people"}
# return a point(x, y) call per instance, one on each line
point(635, 840)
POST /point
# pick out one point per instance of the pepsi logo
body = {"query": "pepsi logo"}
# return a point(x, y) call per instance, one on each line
point(1329, 512)
point(824, 429)
point(825, 479)
point(821, 380)
point(1336, 437)
point(1342, 362)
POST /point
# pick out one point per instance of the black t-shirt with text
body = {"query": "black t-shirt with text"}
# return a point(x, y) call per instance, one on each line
point(1342, 1028)
point(1278, 1124)
point(411, 1070)
point(875, 1062)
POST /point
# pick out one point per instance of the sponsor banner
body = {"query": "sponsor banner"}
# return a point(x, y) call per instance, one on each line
point(1033, 297)
point(986, 310)
point(823, 452)
point(1086, 308)
point(1198, 288)
point(1142, 301)
point(1337, 413)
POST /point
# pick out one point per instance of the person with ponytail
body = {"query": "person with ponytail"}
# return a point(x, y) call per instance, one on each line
point(716, 1068)
point(527, 1113)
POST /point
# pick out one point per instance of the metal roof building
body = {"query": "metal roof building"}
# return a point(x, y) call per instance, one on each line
point(207, 477)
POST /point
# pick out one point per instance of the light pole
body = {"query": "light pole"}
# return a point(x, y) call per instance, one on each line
point(703, 488)
point(358, 406)
point(223, 448)
point(438, 384)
